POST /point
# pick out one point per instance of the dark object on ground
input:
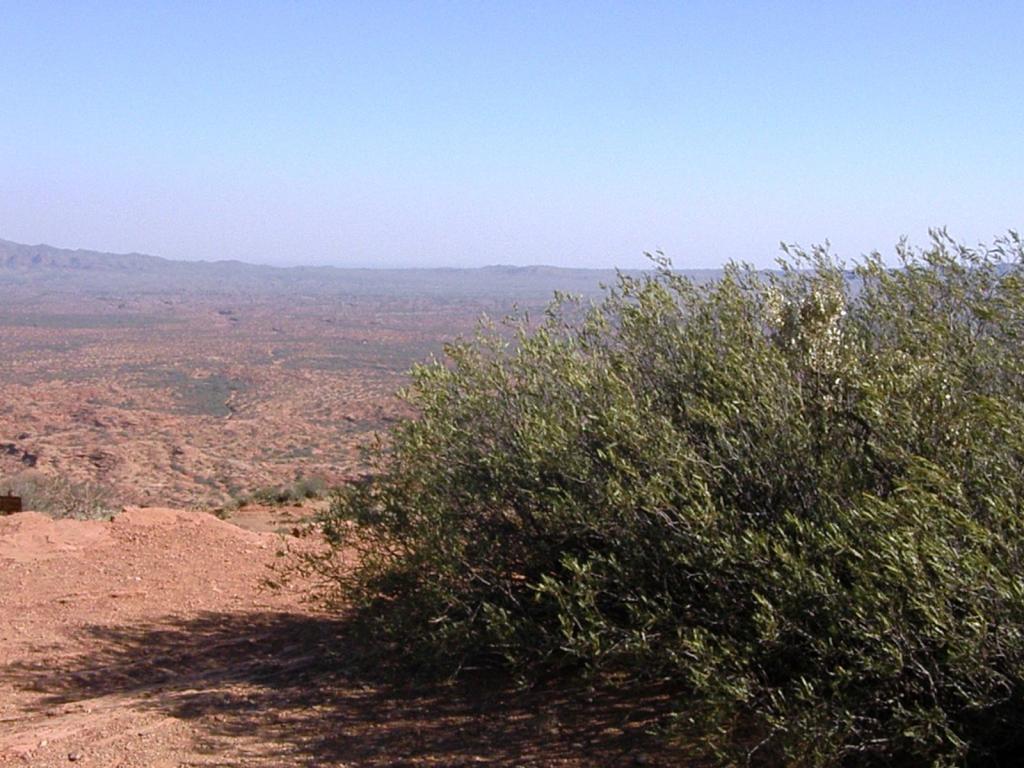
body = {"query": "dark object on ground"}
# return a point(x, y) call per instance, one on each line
point(10, 504)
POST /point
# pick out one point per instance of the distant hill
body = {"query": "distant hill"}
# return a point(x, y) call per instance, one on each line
point(26, 258)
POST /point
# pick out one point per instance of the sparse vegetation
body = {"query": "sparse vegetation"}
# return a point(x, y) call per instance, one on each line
point(795, 496)
point(59, 497)
point(290, 493)
point(285, 392)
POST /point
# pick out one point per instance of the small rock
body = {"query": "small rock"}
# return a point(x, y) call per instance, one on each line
point(74, 757)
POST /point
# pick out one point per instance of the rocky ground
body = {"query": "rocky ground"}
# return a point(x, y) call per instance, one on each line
point(147, 640)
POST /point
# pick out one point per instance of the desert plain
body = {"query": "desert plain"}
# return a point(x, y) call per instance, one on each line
point(199, 384)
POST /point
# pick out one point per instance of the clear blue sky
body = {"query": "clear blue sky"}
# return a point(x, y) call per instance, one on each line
point(464, 133)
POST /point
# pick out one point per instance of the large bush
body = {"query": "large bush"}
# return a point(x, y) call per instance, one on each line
point(796, 495)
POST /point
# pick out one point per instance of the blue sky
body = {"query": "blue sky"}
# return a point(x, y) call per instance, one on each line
point(471, 133)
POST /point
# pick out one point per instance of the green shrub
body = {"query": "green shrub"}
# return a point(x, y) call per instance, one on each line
point(796, 495)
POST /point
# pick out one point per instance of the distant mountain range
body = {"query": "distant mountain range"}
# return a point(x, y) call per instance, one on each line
point(28, 258)
point(64, 270)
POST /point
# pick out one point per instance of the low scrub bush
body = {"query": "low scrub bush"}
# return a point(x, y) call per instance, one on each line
point(59, 497)
point(795, 495)
point(294, 493)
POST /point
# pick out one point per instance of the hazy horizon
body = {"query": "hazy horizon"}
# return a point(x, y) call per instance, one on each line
point(648, 262)
point(576, 134)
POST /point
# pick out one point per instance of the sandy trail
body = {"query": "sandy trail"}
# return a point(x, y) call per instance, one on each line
point(147, 641)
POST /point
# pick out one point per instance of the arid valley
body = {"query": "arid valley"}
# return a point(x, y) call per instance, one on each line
point(197, 385)
point(193, 400)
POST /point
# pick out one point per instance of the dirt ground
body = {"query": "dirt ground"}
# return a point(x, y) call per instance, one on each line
point(147, 640)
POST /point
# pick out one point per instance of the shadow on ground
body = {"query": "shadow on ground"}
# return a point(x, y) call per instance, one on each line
point(259, 685)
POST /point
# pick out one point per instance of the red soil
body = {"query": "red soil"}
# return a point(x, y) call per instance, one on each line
point(147, 641)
